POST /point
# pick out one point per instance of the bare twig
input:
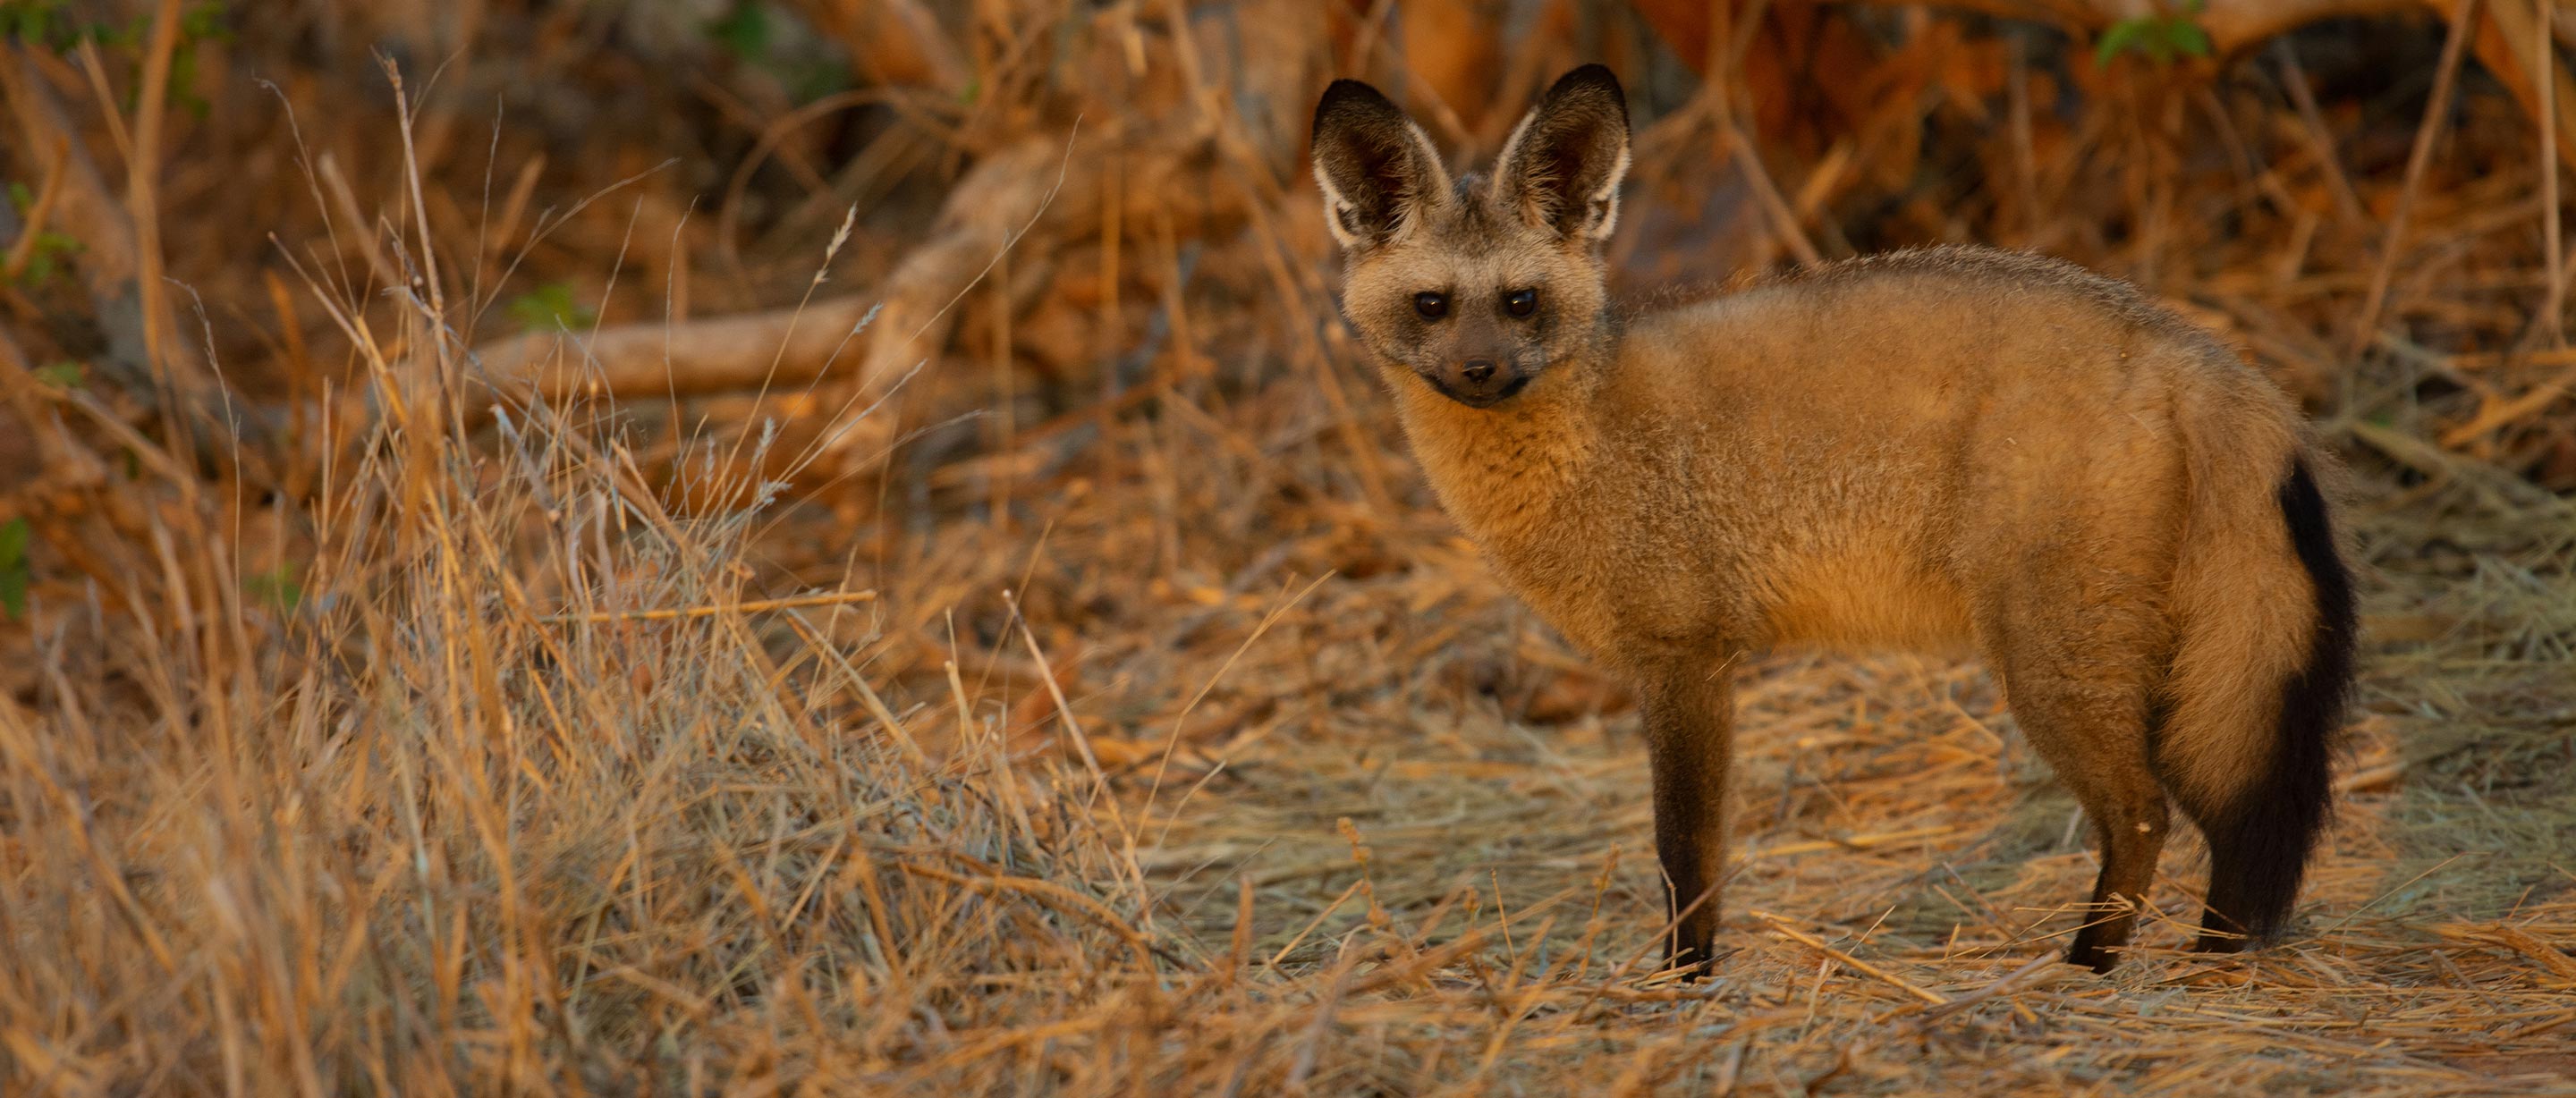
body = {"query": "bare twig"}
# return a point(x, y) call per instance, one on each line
point(1780, 925)
point(841, 598)
point(2392, 243)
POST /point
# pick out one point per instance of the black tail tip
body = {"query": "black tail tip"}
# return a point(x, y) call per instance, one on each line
point(2259, 847)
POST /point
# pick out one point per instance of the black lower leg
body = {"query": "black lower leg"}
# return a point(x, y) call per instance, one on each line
point(1687, 732)
point(2109, 921)
point(1690, 905)
point(2130, 850)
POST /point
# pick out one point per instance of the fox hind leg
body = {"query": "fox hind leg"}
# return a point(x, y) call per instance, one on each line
point(2095, 736)
point(2080, 662)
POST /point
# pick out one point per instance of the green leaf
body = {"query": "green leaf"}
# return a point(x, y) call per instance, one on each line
point(2125, 34)
point(183, 76)
point(51, 248)
point(31, 21)
point(551, 306)
point(2189, 39)
point(205, 23)
point(62, 375)
point(276, 588)
point(744, 31)
point(14, 574)
point(815, 78)
point(2159, 38)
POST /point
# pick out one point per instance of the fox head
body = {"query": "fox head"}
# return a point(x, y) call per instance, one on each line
point(1475, 287)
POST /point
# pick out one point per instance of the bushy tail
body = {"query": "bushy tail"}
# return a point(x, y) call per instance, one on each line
point(2260, 681)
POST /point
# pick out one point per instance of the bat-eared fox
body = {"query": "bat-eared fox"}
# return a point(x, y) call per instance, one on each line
point(1944, 449)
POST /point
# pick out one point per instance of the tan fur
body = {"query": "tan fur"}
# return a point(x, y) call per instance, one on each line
point(1948, 449)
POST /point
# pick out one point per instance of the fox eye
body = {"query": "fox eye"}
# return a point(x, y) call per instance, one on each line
point(1521, 302)
point(1431, 305)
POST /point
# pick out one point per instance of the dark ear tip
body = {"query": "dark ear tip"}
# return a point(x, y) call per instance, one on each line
point(1595, 78)
point(1345, 95)
point(1347, 88)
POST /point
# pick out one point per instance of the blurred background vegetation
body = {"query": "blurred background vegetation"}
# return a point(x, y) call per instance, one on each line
point(627, 546)
point(2250, 163)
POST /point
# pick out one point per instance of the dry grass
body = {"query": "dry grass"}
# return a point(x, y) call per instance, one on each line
point(380, 728)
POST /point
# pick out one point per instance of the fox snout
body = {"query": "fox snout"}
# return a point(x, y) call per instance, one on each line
point(1479, 382)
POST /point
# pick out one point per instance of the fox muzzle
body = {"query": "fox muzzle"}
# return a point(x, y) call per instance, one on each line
point(1478, 382)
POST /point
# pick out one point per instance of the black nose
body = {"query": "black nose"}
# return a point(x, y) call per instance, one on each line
point(1477, 370)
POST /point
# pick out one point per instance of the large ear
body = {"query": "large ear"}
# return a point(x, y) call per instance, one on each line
point(1378, 170)
point(1562, 166)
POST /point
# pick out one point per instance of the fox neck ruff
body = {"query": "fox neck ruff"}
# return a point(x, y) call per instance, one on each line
point(1505, 472)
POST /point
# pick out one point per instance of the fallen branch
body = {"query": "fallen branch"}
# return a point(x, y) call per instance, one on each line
point(787, 346)
point(902, 320)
